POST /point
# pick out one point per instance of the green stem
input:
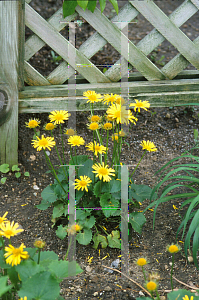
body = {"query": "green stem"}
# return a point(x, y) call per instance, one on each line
point(143, 271)
point(68, 248)
point(38, 256)
point(62, 143)
point(172, 272)
point(103, 229)
point(71, 155)
point(158, 296)
point(137, 165)
point(57, 151)
point(55, 175)
point(107, 136)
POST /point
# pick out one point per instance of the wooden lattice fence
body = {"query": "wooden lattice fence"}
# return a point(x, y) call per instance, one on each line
point(166, 86)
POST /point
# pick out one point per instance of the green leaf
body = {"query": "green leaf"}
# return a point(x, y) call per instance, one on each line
point(44, 255)
point(13, 275)
point(91, 5)
point(3, 264)
point(27, 269)
point(78, 195)
point(3, 285)
point(26, 174)
point(97, 189)
point(48, 194)
point(114, 239)
point(31, 251)
point(61, 232)
point(137, 220)
point(61, 269)
point(179, 294)
point(42, 286)
point(69, 7)
point(115, 5)
point(84, 237)
point(3, 180)
point(43, 205)
point(86, 169)
point(89, 222)
point(115, 186)
point(140, 192)
point(15, 168)
point(107, 201)
point(99, 239)
point(80, 159)
point(102, 5)
point(18, 174)
point(59, 210)
point(4, 168)
point(82, 3)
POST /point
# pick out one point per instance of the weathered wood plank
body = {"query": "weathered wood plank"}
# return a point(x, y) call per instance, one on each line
point(113, 35)
point(59, 44)
point(114, 87)
point(10, 14)
point(21, 41)
point(167, 28)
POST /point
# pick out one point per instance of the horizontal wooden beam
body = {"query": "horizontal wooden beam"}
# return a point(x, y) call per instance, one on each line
point(159, 93)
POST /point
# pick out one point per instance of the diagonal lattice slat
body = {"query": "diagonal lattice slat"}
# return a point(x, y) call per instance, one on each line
point(181, 14)
point(60, 45)
point(166, 27)
point(110, 31)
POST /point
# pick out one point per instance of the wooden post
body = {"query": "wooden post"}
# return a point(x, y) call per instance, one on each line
point(11, 76)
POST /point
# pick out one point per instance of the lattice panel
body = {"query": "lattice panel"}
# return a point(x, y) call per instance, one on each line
point(165, 27)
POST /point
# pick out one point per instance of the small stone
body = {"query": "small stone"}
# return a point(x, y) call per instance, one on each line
point(168, 116)
point(78, 290)
point(32, 157)
point(108, 289)
point(9, 200)
point(141, 293)
point(162, 298)
point(88, 269)
point(190, 259)
point(48, 153)
point(95, 294)
point(35, 187)
point(177, 120)
point(190, 121)
point(35, 194)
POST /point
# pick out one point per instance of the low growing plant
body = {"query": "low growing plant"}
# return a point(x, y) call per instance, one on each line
point(98, 181)
point(30, 273)
point(182, 181)
point(5, 168)
point(152, 280)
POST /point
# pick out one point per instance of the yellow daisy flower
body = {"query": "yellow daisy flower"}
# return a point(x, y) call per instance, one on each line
point(70, 132)
point(43, 143)
point(14, 255)
point(59, 116)
point(115, 137)
point(96, 148)
point(140, 104)
point(92, 96)
point(39, 244)
point(10, 229)
point(49, 126)
point(103, 172)
point(108, 126)
point(33, 123)
point(173, 248)
point(120, 100)
point(94, 118)
point(93, 126)
point(120, 114)
point(73, 229)
point(82, 183)
point(3, 219)
point(149, 146)
point(141, 262)
point(151, 286)
point(76, 140)
point(110, 98)
point(187, 298)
